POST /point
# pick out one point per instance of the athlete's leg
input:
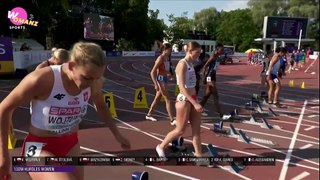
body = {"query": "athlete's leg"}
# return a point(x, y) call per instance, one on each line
point(165, 95)
point(270, 91)
point(195, 121)
point(277, 91)
point(183, 112)
point(156, 100)
point(214, 92)
point(198, 85)
point(206, 95)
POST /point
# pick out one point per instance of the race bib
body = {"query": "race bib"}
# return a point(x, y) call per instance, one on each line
point(33, 149)
point(275, 80)
point(181, 97)
point(160, 78)
point(208, 79)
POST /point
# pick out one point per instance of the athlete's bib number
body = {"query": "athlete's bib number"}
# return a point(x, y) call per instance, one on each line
point(33, 149)
point(160, 78)
point(275, 80)
point(181, 97)
point(208, 79)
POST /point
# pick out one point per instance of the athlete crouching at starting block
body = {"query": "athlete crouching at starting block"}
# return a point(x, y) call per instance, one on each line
point(58, 94)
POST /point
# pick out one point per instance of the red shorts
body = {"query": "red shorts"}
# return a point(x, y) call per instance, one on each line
point(181, 97)
point(58, 146)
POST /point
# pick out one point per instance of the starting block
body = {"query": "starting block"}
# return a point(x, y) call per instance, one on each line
point(218, 128)
point(177, 145)
point(261, 96)
point(253, 119)
point(231, 115)
point(259, 108)
point(243, 137)
point(137, 175)
point(249, 105)
point(265, 124)
point(232, 130)
point(272, 113)
point(257, 98)
point(233, 133)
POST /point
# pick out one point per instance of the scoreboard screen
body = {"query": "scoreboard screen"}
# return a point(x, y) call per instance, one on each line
point(284, 27)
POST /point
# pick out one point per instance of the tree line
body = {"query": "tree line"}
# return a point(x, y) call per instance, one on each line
point(137, 27)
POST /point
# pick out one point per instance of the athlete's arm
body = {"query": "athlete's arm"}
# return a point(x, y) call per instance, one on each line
point(104, 113)
point(153, 72)
point(272, 62)
point(34, 86)
point(206, 65)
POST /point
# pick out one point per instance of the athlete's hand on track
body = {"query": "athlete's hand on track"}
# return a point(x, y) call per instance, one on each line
point(125, 144)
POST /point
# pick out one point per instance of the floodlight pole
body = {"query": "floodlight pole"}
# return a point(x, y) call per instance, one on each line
point(299, 39)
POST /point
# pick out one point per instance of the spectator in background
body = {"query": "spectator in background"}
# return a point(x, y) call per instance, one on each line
point(296, 60)
point(292, 60)
point(250, 57)
point(302, 58)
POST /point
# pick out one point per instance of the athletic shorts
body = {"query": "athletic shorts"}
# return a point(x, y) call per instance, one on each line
point(211, 76)
point(58, 146)
point(162, 78)
point(181, 97)
point(274, 78)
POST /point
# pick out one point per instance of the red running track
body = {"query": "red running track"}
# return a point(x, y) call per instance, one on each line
point(296, 136)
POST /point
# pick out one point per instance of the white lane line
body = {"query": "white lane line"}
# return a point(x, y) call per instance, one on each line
point(285, 166)
point(311, 65)
point(305, 146)
point(314, 115)
point(301, 176)
point(309, 128)
point(314, 107)
point(269, 135)
point(276, 150)
point(153, 136)
point(233, 150)
point(293, 123)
